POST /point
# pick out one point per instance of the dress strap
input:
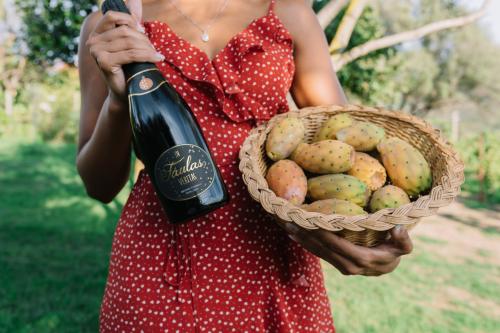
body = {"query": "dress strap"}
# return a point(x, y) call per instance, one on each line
point(271, 7)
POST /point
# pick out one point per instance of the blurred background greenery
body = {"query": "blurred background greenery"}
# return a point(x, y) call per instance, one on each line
point(55, 242)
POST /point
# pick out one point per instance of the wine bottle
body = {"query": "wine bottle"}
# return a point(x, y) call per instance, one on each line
point(168, 140)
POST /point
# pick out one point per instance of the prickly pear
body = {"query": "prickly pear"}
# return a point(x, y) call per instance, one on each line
point(389, 196)
point(338, 186)
point(332, 126)
point(334, 206)
point(284, 138)
point(369, 170)
point(362, 136)
point(405, 165)
point(287, 180)
point(329, 156)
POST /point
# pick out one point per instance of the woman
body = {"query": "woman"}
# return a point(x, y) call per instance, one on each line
point(235, 269)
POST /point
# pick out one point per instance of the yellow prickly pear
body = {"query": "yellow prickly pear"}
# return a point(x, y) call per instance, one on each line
point(329, 156)
point(334, 206)
point(287, 180)
point(339, 186)
point(362, 136)
point(405, 165)
point(284, 138)
point(389, 196)
point(369, 170)
point(332, 126)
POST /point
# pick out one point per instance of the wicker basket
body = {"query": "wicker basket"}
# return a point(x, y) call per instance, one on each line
point(366, 230)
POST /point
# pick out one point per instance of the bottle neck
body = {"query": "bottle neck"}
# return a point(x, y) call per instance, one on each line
point(137, 67)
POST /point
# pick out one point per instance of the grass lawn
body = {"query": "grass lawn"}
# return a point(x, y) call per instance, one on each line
point(55, 242)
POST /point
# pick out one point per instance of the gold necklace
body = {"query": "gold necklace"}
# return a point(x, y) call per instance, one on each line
point(204, 32)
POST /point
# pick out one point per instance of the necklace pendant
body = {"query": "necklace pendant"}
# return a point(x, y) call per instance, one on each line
point(205, 37)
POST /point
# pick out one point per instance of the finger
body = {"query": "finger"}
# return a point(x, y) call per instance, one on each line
point(362, 256)
point(112, 19)
point(120, 33)
point(401, 240)
point(344, 265)
point(135, 7)
point(118, 45)
point(381, 270)
point(111, 62)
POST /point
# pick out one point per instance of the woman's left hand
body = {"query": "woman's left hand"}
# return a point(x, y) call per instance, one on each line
point(352, 259)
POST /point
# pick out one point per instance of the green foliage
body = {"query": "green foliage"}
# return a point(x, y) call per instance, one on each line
point(46, 109)
point(51, 27)
point(367, 79)
point(469, 151)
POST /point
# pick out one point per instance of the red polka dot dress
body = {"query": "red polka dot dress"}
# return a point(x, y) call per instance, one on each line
point(233, 270)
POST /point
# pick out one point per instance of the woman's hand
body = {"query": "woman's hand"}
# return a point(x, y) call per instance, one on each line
point(119, 39)
point(352, 259)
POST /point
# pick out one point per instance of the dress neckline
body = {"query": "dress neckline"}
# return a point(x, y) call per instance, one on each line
point(270, 12)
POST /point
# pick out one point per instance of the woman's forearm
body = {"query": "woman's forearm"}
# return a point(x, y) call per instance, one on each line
point(104, 161)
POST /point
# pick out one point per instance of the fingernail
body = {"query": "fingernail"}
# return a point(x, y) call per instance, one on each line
point(160, 56)
point(141, 28)
point(399, 228)
point(115, 69)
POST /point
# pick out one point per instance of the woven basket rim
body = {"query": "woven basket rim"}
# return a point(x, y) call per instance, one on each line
point(440, 195)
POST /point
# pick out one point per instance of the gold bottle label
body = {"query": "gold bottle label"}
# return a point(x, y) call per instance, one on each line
point(184, 172)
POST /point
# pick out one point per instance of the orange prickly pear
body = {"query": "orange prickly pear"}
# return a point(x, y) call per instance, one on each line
point(362, 136)
point(332, 126)
point(287, 180)
point(284, 138)
point(389, 196)
point(329, 156)
point(405, 165)
point(369, 170)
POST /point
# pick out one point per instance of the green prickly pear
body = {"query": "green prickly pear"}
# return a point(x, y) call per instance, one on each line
point(339, 186)
point(332, 126)
point(284, 138)
point(389, 196)
point(362, 136)
point(405, 165)
point(369, 170)
point(329, 156)
point(334, 206)
point(287, 180)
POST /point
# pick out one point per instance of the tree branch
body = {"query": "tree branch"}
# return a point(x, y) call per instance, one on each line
point(346, 26)
point(330, 11)
point(340, 60)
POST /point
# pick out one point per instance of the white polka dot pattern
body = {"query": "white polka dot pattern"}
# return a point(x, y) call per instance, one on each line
point(233, 270)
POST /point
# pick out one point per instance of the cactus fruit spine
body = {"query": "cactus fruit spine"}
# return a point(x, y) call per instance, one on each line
point(284, 137)
point(329, 156)
point(287, 180)
point(405, 165)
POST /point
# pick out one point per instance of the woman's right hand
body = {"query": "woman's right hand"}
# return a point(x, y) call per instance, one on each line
point(119, 39)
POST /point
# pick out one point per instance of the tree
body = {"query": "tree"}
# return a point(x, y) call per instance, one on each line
point(51, 28)
point(355, 8)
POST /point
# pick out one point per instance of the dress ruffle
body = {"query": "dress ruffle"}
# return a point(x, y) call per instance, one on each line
point(223, 74)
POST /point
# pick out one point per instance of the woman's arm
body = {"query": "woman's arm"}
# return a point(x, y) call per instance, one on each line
point(104, 145)
point(315, 82)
